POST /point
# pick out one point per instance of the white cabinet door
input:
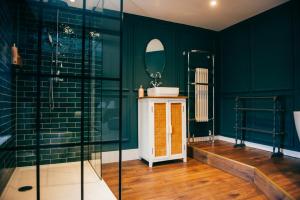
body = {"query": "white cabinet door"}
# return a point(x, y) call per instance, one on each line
point(160, 149)
point(176, 122)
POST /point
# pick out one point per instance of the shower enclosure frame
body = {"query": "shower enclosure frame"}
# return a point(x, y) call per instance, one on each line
point(38, 75)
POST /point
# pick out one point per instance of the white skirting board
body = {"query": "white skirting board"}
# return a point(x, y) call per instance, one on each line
point(203, 139)
point(132, 154)
point(113, 156)
point(286, 152)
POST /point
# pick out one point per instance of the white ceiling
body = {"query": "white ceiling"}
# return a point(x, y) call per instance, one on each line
point(199, 13)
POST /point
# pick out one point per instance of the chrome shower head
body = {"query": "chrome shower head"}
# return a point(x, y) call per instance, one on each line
point(94, 34)
point(50, 40)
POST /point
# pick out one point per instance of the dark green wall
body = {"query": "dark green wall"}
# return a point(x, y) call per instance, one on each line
point(176, 38)
point(260, 57)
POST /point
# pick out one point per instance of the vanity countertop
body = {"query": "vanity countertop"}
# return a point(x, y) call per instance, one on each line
point(178, 97)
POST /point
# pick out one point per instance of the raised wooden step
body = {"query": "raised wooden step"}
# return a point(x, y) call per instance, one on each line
point(240, 169)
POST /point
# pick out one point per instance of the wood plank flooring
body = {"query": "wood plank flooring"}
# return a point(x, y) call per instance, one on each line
point(285, 171)
point(177, 180)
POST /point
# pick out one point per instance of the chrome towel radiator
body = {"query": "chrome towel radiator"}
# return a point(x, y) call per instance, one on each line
point(191, 86)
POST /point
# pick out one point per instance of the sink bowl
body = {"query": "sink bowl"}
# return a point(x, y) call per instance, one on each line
point(163, 92)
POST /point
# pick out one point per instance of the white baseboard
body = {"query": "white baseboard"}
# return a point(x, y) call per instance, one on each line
point(286, 152)
point(203, 139)
point(113, 156)
point(132, 154)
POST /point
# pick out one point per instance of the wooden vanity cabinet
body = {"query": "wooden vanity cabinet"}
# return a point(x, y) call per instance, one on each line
point(162, 129)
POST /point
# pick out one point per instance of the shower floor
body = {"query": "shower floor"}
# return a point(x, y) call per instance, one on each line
point(57, 181)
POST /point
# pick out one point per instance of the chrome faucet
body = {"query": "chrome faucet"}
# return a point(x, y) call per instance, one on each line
point(155, 84)
point(156, 76)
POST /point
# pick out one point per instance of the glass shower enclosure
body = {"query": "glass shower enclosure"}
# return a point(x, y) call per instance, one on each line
point(67, 100)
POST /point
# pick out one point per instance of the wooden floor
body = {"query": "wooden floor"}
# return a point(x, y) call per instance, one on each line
point(285, 171)
point(178, 180)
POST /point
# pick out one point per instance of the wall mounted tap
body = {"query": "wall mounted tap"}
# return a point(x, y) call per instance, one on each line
point(60, 66)
point(57, 79)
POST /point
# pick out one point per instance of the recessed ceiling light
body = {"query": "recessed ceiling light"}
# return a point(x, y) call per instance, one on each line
point(72, 1)
point(213, 3)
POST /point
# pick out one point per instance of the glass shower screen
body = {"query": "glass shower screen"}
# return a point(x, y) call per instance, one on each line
point(67, 99)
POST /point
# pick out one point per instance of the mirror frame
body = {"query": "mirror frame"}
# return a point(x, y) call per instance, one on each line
point(152, 74)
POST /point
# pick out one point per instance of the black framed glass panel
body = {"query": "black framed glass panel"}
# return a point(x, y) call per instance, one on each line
point(66, 98)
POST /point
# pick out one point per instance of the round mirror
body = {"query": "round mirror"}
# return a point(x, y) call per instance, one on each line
point(155, 57)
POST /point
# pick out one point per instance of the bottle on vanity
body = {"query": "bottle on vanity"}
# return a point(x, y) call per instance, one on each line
point(14, 54)
point(141, 92)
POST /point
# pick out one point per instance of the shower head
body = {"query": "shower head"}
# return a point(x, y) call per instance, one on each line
point(50, 40)
point(68, 30)
point(94, 34)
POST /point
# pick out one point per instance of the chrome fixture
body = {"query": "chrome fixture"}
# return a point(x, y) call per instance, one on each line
point(94, 34)
point(54, 60)
point(211, 85)
point(66, 29)
point(156, 82)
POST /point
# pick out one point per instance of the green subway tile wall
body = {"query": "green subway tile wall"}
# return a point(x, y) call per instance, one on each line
point(7, 97)
point(62, 125)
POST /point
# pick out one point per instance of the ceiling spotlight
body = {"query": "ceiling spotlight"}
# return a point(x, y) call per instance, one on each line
point(213, 3)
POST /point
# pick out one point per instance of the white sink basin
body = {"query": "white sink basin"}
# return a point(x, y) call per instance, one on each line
point(163, 92)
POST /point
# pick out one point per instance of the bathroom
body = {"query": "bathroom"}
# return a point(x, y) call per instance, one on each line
point(75, 99)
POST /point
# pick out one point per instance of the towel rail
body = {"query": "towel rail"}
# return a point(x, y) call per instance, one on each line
point(210, 84)
point(241, 124)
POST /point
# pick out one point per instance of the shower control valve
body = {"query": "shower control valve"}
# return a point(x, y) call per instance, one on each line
point(57, 79)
